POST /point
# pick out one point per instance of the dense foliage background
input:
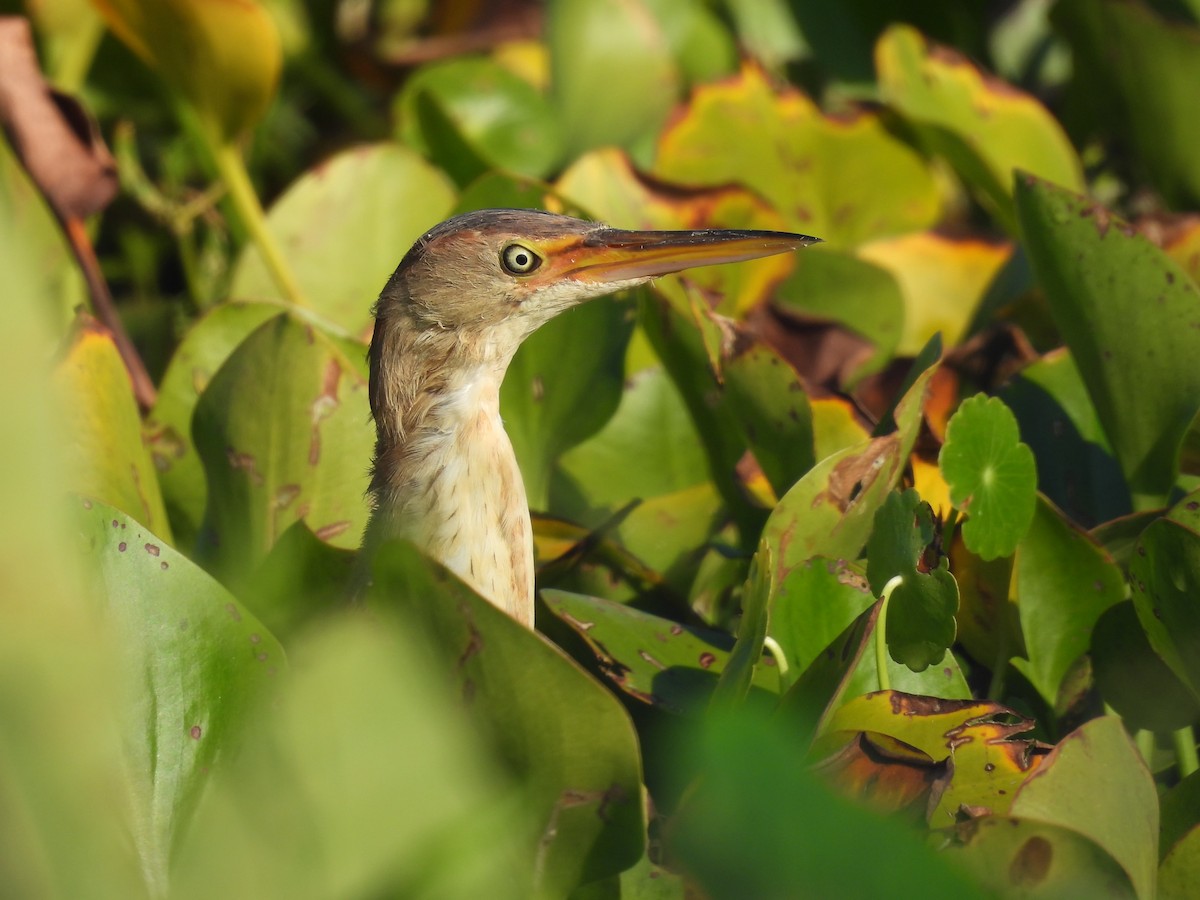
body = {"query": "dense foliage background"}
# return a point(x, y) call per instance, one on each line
point(869, 572)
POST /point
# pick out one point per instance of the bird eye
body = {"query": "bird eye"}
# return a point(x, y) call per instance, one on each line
point(519, 260)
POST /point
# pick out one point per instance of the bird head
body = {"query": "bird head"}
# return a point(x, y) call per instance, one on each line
point(497, 274)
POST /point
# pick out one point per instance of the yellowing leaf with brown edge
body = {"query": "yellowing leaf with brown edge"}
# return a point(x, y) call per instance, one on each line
point(942, 279)
point(223, 56)
point(845, 179)
point(605, 183)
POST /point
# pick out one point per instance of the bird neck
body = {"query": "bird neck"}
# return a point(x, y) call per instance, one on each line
point(445, 474)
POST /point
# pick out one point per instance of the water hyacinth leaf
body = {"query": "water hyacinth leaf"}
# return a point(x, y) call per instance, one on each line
point(1119, 48)
point(1126, 311)
point(562, 386)
point(771, 403)
point(222, 56)
point(984, 127)
point(1095, 783)
point(654, 660)
point(362, 208)
point(581, 775)
point(504, 121)
point(992, 475)
point(943, 281)
point(834, 286)
point(921, 609)
point(625, 41)
point(195, 662)
point(316, 806)
point(1075, 464)
point(1035, 860)
point(284, 432)
point(168, 428)
point(1133, 679)
point(830, 511)
point(1180, 839)
point(1165, 577)
point(844, 179)
point(1064, 582)
point(106, 457)
point(989, 624)
point(734, 683)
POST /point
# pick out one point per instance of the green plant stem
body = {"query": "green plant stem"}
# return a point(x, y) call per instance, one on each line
point(1185, 751)
point(999, 668)
point(881, 653)
point(1144, 741)
point(232, 169)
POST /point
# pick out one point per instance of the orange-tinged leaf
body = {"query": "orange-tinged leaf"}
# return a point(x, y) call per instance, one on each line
point(223, 56)
point(844, 179)
point(942, 279)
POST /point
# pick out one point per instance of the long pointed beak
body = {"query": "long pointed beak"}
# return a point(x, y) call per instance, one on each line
point(611, 254)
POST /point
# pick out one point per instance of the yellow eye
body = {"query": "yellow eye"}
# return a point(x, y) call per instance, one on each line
point(519, 260)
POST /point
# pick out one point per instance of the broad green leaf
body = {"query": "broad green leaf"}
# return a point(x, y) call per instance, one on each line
point(984, 127)
point(1133, 679)
point(844, 179)
point(758, 824)
point(194, 668)
point(364, 779)
point(567, 739)
point(222, 56)
point(654, 660)
point(624, 41)
point(344, 226)
point(1118, 49)
point(1094, 783)
point(698, 37)
point(667, 532)
point(1075, 464)
point(814, 603)
point(943, 281)
point(562, 386)
point(1180, 840)
point(830, 511)
point(992, 475)
point(921, 608)
point(1165, 577)
point(770, 401)
point(284, 432)
point(605, 183)
point(1064, 582)
point(768, 30)
point(757, 596)
point(1125, 309)
point(833, 286)
point(106, 458)
point(168, 428)
point(503, 119)
point(989, 623)
point(1025, 858)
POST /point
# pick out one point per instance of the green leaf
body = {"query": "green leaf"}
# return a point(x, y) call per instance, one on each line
point(284, 432)
point(222, 56)
point(194, 667)
point(843, 179)
point(501, 117)
point(1065, 581)
point(562, 386)
point(654, 660)
point(566, 738)
point(734, 683)
point(364, 778)
point(1095, 783)
point(984, 127)
point(1126, 310)
point(1180, 839)
point(1118, 49)
point(625, 42)
point(770, 401)
point(344, 226)
point(168, 428)
point(106, 458)
point(1133, 679)
point(1165, 577)
point(921, 608)
point(991, 474)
